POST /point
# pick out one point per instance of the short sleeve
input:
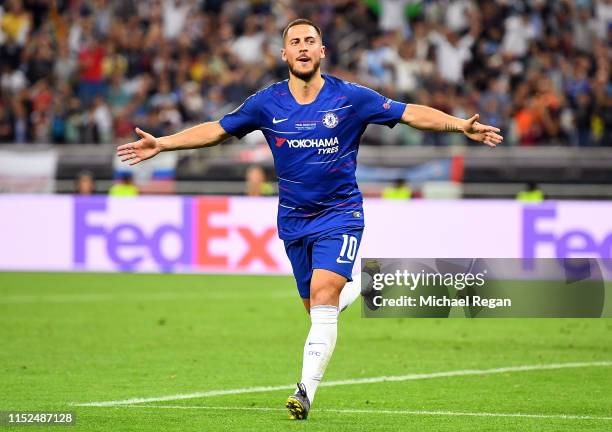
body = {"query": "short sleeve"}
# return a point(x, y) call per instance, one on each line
point(244, 119)
point(372, 107)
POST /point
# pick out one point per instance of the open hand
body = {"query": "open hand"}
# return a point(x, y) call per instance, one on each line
point(481, 133)
point(145, 148)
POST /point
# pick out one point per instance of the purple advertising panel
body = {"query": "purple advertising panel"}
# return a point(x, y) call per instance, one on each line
point(577, 229)
point(440, 228)
point(36, 232)
point(144, 234)
point(238, 234)
point(169, 234)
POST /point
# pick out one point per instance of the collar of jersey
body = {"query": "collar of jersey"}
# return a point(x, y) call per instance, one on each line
point(323, 88)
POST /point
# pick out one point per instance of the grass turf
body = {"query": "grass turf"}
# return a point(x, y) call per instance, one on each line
point(99, 337)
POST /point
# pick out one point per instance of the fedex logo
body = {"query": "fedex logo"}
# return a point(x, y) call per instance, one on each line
point(541, 229)
point(131, 240)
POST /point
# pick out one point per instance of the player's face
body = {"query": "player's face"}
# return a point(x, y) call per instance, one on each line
point(303, 51)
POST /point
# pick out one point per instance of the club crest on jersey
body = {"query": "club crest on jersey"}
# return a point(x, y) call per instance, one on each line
point(330, 120)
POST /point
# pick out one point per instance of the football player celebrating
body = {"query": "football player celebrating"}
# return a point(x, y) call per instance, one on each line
point(313, 123)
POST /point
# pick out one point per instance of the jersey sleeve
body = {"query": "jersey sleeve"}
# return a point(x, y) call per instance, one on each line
point(244, 119)
point(372, 107)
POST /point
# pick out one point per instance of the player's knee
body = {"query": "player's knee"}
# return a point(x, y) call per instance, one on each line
point(324, 296)
point(325, 293)
point(325, 287)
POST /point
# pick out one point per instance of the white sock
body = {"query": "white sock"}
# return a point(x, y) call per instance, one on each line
point(350, 292)
point(319, 346)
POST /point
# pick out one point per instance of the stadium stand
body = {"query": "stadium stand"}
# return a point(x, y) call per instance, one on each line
point(87, 71)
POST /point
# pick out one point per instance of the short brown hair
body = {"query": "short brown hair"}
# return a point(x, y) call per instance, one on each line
point(301, 21)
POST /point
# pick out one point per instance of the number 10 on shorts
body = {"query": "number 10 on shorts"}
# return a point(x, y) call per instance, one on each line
point(348, 250)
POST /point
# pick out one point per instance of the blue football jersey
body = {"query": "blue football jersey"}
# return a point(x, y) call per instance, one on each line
point(315, 149)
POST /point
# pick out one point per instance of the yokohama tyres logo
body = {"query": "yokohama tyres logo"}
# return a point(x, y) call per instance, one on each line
point(308, 142)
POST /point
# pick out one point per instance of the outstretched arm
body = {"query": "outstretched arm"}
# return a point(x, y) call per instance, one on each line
point(427, 118)
point(203, 135)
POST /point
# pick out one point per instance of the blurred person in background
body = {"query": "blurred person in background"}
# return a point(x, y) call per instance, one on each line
point(125, 187)
point(16, 22)
point(91, 72)
point(256, 182)
point(84, 183)
point(6, 122)
point(583, 118)
point(392, 15)
point(453, 51)
point(101, 121)
point(519, 31)
point(409, 70)
point(175, 14)
point(376, 63)
point(249, 46)
point(21, 123)
point(531, 194)
point(398, 191)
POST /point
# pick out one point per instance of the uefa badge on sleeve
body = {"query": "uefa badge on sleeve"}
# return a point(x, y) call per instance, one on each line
point(330, 120)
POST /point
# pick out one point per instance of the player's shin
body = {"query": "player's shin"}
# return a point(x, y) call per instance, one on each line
point(350, 292)
point(319, 346)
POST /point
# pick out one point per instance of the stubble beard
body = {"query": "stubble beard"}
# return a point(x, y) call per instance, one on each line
point(305, 75)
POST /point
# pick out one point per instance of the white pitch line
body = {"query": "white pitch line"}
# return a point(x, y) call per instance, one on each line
point(396, 378)
point(385, 411)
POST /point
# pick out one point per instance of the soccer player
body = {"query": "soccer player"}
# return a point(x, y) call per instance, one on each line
point(313, 123)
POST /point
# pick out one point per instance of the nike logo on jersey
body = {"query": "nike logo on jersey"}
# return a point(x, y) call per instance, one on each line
point(341, 261)
point(279, 120)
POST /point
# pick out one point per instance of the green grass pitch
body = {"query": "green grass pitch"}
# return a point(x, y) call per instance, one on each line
point(78, 338)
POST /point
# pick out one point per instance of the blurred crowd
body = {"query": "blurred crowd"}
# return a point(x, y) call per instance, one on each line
point(88, 71)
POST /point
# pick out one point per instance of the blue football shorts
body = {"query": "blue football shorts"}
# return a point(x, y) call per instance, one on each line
point(334, 250)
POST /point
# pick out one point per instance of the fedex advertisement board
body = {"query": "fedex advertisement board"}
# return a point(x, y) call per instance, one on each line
point(177, 234)
point(238, 234)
